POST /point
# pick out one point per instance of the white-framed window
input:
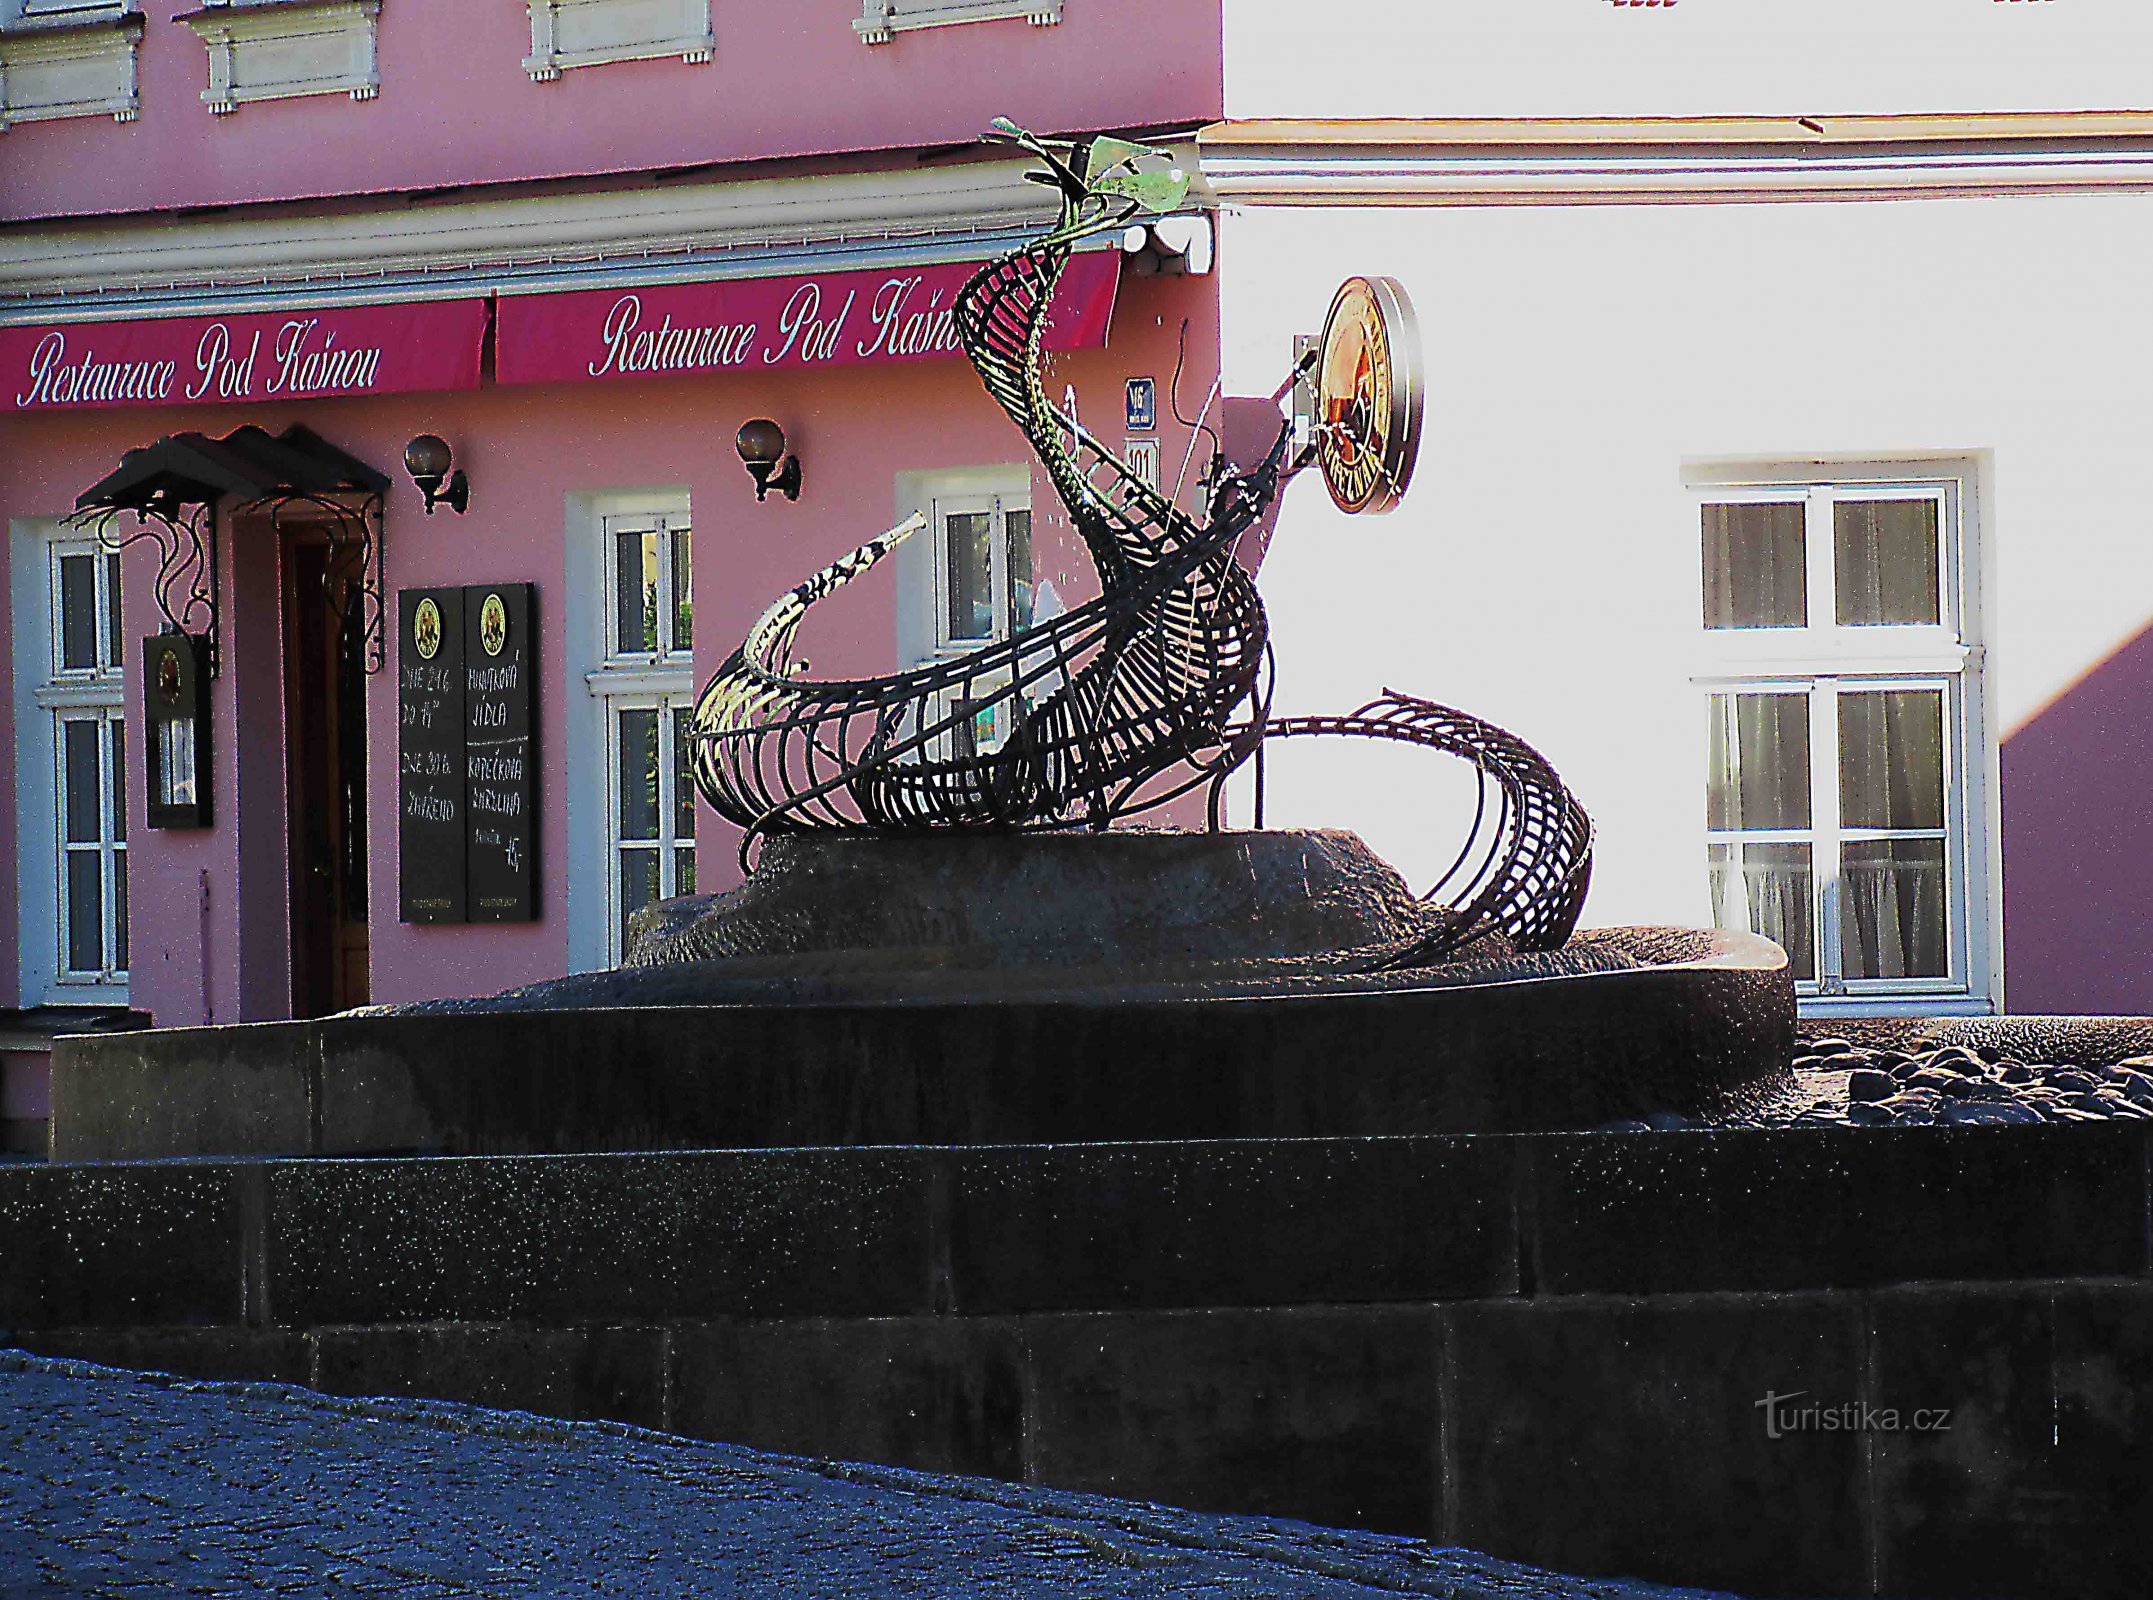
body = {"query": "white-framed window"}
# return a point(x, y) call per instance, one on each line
point(72, 770)
point(68, 58)
point(645, 688)
point(969, 581)
point(286, 48)
point(589, 33)
point(62, 10)
point(881, 20)
point(983, 581)
point(1845, 762)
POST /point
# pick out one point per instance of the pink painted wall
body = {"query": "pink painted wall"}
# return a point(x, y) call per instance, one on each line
point(2078, 844)
point(10, 925)
point(25, 1085)
point(526, 451)
point(456, 106)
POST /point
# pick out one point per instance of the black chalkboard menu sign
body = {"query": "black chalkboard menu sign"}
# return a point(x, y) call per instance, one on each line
point(500, 767)
point(467, 773)
point(430, 754)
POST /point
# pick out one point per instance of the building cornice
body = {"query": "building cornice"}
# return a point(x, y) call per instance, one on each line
point(1673, 160)
point(413, 249)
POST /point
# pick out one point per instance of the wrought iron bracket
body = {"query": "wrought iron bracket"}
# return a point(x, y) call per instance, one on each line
point(352, 523)
point(185, 588)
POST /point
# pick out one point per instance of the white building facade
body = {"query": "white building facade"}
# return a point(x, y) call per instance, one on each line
point(1779, 474)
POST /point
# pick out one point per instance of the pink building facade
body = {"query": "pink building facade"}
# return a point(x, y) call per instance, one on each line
point(1804, 304)
point(582, 244)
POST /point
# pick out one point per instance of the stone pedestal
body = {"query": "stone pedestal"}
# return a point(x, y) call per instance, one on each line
point(1016, 902)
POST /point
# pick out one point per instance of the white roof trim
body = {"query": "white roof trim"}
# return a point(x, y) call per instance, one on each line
point(1569, 178)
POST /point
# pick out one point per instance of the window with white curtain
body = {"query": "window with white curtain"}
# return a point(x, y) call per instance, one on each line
point(79, 707)
point(68, 58)
point(983, 569)
point(645, 685)
point(67, 10)
point(881, 20)
point(979, 589)
point(1844, 764)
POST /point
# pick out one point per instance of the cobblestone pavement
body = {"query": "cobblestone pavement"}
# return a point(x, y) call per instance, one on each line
point(1833, 1082)
point(127, 1484)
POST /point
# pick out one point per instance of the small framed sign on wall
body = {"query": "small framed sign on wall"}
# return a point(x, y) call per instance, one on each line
point(1140, 404)
point(175, 729)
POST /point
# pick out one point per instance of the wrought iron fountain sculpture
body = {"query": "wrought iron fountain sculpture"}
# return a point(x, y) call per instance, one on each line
point(1162, 684)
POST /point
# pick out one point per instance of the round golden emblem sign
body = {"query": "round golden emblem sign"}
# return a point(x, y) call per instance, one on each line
point(168, 675)
point(1368, 393)
point(493, 625)
point(426, 629)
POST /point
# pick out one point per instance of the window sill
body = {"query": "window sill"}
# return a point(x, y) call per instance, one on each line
point(285, 49)
point(37, 1027)
point(883, 20)
point(75, 994)
point(79, 67)
point(594, 33)
point(116, 15)
point(1809, 1007)
point(108, 690)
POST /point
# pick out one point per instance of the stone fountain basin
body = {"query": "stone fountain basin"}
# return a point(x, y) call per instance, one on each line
point(1200, 987)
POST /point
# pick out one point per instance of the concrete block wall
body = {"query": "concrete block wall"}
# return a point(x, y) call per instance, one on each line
point(1553, 1348)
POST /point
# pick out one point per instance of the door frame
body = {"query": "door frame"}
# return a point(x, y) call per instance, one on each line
point(318, 977)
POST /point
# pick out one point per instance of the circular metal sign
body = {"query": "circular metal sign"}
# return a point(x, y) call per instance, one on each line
point(426, 629)
point(1368, 391)
point(493, 625)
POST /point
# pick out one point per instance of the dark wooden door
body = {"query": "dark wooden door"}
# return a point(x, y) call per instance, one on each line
point(325, 718)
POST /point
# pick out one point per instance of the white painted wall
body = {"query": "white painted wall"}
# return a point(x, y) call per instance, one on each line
point(1518, 58)
point(1544, 570)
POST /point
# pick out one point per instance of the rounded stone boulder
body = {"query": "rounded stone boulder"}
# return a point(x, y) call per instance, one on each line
point(1007, 902)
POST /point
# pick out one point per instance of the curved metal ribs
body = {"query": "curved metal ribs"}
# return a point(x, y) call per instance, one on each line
point(1527, 858)
point(1157, 687)
point(1109, 708)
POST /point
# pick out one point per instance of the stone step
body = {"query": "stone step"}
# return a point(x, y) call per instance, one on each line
point(1551, 1347)
point(902, 1231)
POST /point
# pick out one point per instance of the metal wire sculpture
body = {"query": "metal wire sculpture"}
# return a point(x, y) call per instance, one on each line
point(1158, 687)
point(1527, 858)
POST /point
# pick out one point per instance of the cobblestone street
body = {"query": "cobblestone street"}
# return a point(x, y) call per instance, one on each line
point(120, 1484)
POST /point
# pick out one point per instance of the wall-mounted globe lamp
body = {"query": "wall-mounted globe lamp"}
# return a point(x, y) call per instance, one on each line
point(761, 444)
point(428, 461)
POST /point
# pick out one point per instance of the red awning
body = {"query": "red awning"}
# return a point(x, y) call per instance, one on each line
point(772, 324)
point(753, 324)
point(279, 355)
